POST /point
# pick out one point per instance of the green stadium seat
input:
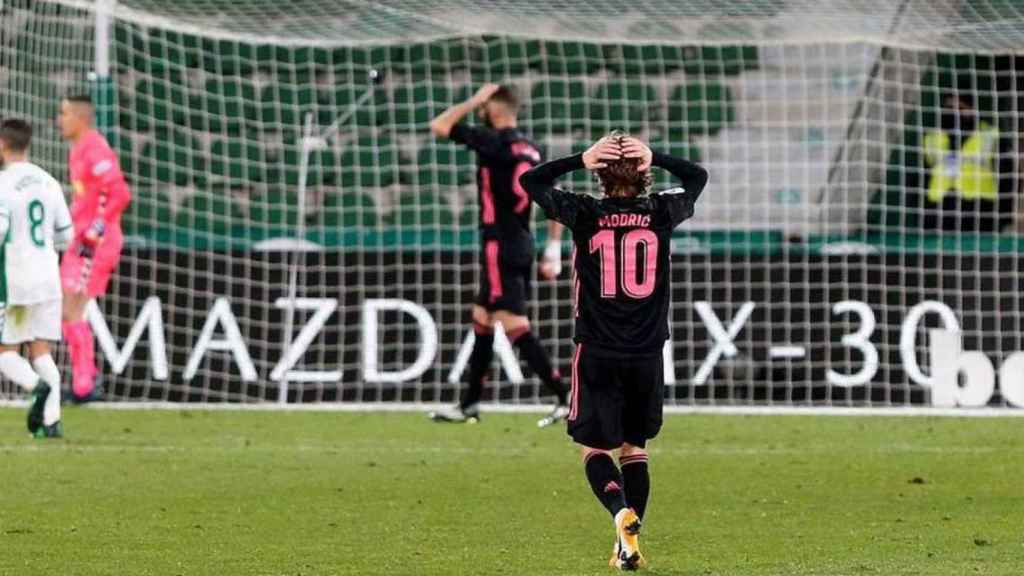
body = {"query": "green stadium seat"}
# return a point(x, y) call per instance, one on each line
point(300, 58)
point(348, 210)
point(39, 51)
point(443, 164)
point(635, 59)
point(470, 216)
point(558, 105)
point(433, 59)
point(369, 163)
point(122, 144)
point(702, 108)
point(237, 160)
point(26, 91)
point(421, 210)
point(172, 49)
point(415, 106)
point(227, 57)
point(274, 209)
point(627, 105)
point(148, 214)
point(570, 58)
point(581, 181)
point(126, 114)
point(160, 101)
point(210, 212)
point(370, 114)
point(226, 105)
point(130, 49)
point(719, 60)
point(508, 56)
point(323, 166)
point(284, 105)
point(173, 158)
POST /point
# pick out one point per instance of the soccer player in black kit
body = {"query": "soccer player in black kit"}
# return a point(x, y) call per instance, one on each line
point(503, 154)
point(621, 288)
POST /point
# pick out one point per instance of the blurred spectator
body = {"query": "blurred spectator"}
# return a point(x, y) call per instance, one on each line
point(970, 171)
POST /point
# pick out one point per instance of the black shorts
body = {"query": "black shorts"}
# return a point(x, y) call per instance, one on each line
point(615, 400)
point(504, 277)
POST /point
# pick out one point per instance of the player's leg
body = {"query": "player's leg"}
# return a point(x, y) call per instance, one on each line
point(511, 313)
point(46, 368)
point(508, 274)
point(641, 420)
point(595, 423)
point(479, 359)
point(517, 328)
point(79, 338)
point(84, 279)
point(483, 341)
point(604, 478)
point(15, 332)
point(45, 324)
point(476, 373)
point(643, 399)
point(637, 480)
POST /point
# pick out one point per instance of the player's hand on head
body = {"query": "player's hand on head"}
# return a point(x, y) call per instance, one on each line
point(635, 148)
point(484, 93)
point(603, 151)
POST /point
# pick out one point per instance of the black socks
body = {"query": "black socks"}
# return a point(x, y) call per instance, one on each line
point(479, 365)
point(537, 359)
point(605, 481)
point(637, 482)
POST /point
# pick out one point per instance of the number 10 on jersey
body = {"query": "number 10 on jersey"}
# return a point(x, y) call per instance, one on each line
point(619, 268)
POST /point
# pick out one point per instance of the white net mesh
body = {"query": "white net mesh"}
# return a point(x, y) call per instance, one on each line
point(812, 118)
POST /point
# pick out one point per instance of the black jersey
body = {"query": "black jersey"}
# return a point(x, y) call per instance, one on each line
point(621, 260)
point(502, 157)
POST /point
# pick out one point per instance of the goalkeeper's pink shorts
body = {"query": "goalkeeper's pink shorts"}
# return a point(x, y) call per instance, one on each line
point(91, 275)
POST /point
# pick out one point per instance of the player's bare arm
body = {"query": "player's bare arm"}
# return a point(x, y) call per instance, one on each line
point(445, 121)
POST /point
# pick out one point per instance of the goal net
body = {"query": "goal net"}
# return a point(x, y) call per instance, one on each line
point(837, 257)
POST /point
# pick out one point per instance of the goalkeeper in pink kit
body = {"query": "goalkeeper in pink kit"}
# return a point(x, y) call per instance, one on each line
point(101, 195)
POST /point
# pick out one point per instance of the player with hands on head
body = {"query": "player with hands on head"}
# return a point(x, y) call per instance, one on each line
point(507, 250)
point(621, 288)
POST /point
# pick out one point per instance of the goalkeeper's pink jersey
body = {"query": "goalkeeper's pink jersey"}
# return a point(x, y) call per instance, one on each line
point(95, 173)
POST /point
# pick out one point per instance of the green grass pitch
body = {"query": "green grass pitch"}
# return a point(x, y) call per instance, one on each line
point(258, 493)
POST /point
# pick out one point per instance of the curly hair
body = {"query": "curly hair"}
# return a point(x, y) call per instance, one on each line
point(620, 178)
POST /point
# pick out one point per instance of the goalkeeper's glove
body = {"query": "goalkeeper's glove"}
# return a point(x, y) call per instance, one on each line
point(91, 238)
point(551, 261)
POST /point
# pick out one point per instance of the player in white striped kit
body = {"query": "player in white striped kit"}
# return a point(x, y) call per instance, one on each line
point(34, 223)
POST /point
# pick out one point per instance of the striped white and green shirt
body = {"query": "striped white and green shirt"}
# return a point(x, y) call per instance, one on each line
point(34, 223)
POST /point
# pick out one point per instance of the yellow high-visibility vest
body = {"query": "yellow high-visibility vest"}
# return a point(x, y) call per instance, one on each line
point(968, 171)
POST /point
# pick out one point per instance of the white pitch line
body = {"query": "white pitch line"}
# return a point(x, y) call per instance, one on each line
point(384, 407)
point(454, 449)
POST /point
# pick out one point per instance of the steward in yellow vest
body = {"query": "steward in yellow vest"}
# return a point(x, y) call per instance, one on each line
point(963, 181)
